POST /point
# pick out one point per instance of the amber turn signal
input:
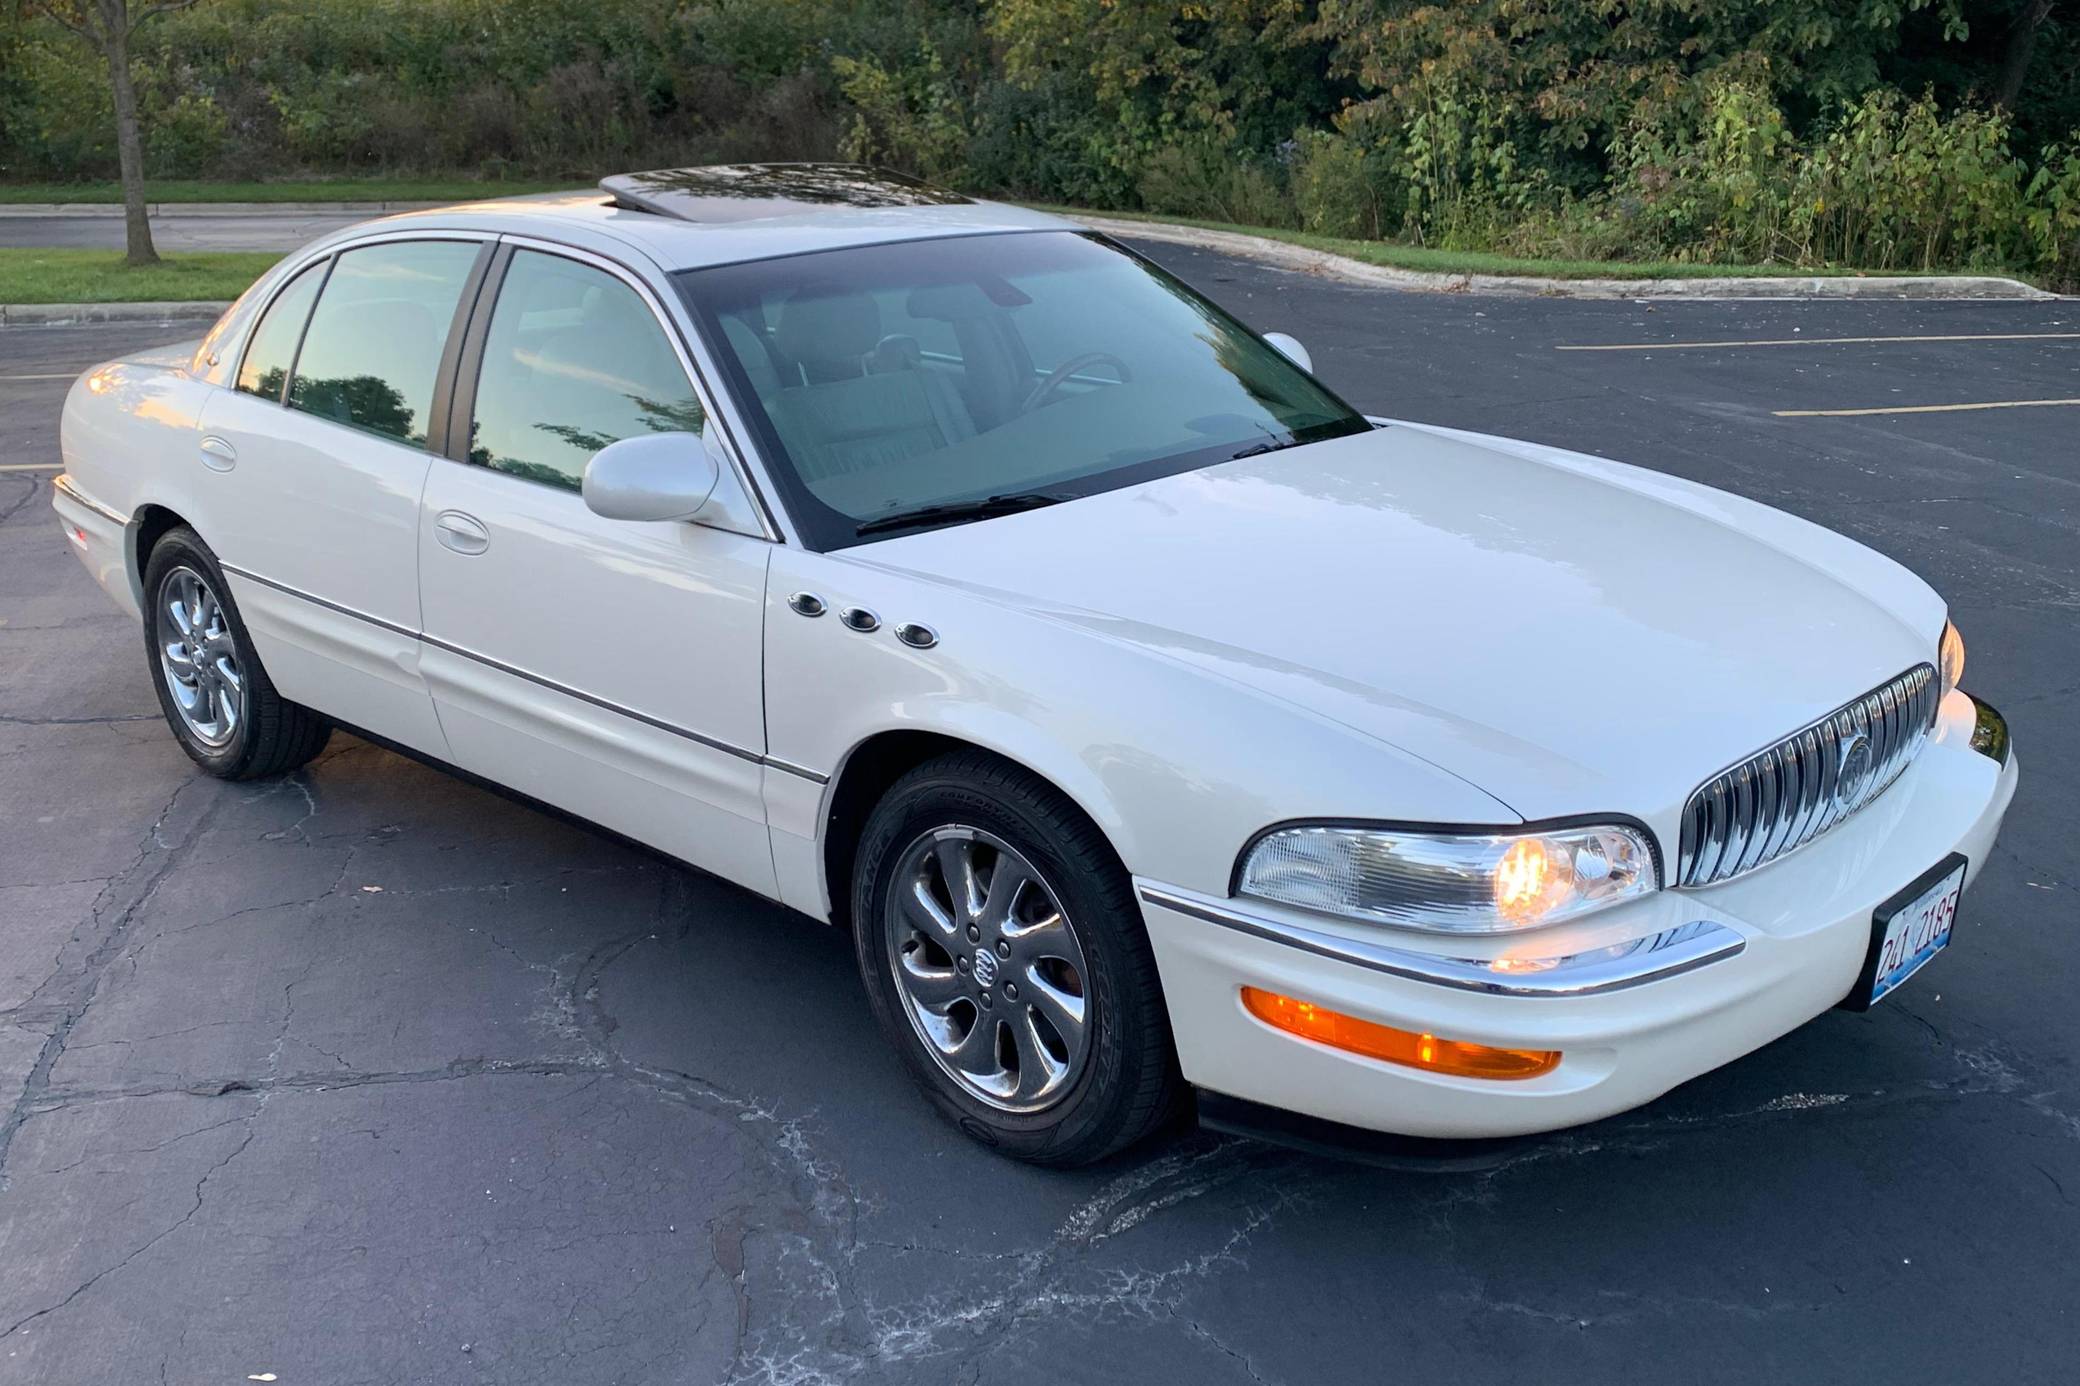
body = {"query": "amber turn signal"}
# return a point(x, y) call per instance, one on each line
point(1375, 1041)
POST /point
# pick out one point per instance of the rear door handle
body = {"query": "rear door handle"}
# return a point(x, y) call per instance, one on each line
point(460, 532)
point(218, 455)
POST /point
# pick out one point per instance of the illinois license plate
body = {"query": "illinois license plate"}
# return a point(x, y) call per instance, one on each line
point(1909, 929)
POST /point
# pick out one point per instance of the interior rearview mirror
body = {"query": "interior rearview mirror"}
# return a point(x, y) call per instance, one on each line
point(656, 476)
point(1290, 348)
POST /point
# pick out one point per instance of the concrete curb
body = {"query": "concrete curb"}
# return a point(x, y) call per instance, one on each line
point(1321, 262)
point(61, 314)
point(213, 209)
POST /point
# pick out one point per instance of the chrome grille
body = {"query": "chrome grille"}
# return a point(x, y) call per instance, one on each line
point(1789, 794)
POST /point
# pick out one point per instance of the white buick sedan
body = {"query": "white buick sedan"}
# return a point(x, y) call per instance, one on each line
point(1161, 728)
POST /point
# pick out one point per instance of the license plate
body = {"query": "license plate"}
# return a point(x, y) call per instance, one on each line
point(1909, 929)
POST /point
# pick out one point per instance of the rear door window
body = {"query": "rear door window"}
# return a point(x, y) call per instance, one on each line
point(273, 348)
point(374, 346)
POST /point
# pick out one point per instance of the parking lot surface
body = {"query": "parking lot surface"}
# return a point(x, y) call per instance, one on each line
point(372, 1076)
point(189, 230)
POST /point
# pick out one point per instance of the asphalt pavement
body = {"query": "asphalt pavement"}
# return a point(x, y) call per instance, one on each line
point(246, 230)
point(372, 1076)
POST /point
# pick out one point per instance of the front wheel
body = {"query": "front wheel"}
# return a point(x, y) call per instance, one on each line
point(998, 940)
point(216, 696)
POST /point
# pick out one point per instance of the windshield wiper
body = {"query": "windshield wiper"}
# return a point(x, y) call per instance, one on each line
point(1300, 437)
point(1259, 449)
point(1010, 503)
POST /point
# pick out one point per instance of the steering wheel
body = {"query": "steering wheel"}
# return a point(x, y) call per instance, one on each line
point(1046, 388)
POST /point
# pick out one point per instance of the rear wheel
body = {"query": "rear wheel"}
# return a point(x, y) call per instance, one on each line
point(1001, 949)
point(216, 695)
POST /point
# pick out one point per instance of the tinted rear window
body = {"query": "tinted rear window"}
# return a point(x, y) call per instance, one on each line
point(374, 346)
point(273, 348)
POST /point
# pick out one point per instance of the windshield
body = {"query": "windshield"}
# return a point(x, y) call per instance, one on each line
point(963, 377)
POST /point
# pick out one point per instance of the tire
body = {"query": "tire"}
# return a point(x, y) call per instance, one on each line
point(265, 734)
point(1092, 971)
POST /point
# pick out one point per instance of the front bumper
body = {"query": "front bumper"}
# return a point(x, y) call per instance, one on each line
point(1652, 995)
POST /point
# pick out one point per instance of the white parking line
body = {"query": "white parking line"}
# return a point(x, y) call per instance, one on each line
point(33, 467)
point(1920, 408)
point(1827, 341)
point(63, 375)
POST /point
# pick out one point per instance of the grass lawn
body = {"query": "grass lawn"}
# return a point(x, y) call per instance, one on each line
point(317, 190)
point(99, 276)
point(1419, 257)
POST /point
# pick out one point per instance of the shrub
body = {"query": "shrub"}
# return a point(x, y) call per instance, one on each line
point(1897, 185)
point(2052, 214)
point(912, 116)
point(1340, 188)
point(1203, 179)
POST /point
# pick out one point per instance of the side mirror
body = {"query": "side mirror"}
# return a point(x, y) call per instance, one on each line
point(1290, 348)
point(656, 476)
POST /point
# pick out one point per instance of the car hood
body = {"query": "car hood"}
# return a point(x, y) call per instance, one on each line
point(1569, 634)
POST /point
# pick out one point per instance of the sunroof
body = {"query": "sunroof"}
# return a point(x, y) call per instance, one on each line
point(748, 192)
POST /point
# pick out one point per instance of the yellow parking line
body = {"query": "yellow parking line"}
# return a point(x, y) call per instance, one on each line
point(33, 467)
point(1919, 408)
point(1828, 341)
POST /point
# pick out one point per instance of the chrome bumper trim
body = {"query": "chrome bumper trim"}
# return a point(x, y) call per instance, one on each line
point(1669, 953)
point(1990, 732)
point(65, 486)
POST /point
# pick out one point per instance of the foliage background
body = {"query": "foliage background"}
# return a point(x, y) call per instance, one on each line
point(1880, 133)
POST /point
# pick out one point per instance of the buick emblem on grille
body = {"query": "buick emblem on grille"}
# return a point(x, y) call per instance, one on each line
point(1852, 776)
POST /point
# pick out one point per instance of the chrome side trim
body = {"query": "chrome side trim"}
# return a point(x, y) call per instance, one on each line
point(582, 696)
point(789, 767)
point(741, 753)
point(64, 483)
point(1669, 953)
point(250, 576)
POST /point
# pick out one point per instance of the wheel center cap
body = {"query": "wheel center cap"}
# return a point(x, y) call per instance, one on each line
point(985, 967)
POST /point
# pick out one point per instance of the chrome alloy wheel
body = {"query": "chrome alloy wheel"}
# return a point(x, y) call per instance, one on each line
point(989, 967)
point(199, 658)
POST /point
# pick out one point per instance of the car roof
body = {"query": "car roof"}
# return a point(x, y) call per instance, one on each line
point(729, 213)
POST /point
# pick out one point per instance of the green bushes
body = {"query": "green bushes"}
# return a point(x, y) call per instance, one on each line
point(1204, 179)
point(1891, 184)
point(1888, 134)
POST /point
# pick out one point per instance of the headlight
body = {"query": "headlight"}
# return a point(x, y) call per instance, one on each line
point(1454, 883)
point(1950, 659)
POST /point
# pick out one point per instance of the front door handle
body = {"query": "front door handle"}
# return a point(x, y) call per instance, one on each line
point(218, 455)
point(460, 532)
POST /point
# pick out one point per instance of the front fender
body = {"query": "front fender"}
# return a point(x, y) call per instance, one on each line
point(1178, 767)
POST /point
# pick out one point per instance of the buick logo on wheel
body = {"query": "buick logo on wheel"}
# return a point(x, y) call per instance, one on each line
point(1852, 775)
point(985, 967)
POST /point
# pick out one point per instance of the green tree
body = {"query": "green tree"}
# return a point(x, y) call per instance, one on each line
point(108, 25)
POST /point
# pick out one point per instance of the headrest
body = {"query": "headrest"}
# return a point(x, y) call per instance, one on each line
point(897, 352)
point(821, 322)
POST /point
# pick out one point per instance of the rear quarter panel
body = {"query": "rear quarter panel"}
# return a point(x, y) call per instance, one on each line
point(128, 438)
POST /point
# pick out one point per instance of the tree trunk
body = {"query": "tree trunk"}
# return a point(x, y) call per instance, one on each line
point(137, 231)
point(2022, 44)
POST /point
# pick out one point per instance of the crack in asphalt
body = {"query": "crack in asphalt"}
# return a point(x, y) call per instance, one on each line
point(158, 1237)
point(808, 1310)
point(156, 860)
point(15, 720)
point(35, 485)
